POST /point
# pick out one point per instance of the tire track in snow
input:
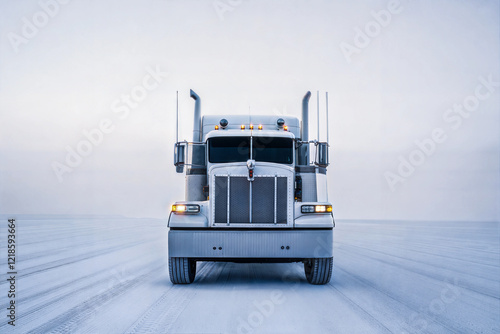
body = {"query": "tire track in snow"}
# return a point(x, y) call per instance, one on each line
point(440, 274)
point(442, 264)
point(80, 284)
point(73, 259)
point(26, 316)
point(36, 254)
point(371, 288)
point(70, 320)
point(161, 316)
point(362, 312)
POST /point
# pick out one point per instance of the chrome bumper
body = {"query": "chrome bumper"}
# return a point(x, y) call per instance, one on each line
point(258, 244)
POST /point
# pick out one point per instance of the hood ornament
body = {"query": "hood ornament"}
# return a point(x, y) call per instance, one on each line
point(250, 166)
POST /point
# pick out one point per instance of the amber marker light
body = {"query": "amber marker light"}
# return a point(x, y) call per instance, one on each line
point(242, 127)
point(216, 127)
point(260, 126)
point(285, 127)
point(251, 126)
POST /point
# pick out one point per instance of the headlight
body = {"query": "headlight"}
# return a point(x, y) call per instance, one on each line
point(316, 209)
point(185, 208)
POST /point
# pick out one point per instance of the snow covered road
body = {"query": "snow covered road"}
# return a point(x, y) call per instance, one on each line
point(111, 276)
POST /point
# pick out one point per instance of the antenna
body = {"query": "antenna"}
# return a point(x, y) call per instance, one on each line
point(327, 140)
point(177, 117)
point(327, 125)
point(317, 105)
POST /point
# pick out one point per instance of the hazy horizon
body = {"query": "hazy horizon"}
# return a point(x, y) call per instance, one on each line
point(385, 99)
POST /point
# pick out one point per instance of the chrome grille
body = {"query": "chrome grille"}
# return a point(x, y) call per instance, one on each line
point(262, 201)
point(281, 201)
point(239, 208)
point(220, 211)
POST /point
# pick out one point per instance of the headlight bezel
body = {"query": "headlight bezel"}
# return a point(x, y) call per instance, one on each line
point(316, 208)
point(186, 208)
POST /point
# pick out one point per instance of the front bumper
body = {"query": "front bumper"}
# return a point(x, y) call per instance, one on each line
point(250, 244)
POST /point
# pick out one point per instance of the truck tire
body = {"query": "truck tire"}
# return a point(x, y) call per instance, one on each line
point(182, 270)
point(318, 271)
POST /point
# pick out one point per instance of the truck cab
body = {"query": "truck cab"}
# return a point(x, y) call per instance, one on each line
point(251, 195)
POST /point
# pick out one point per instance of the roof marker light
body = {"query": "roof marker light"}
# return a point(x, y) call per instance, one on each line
point(260, 126)
point(242, 127)
point(216, 127)
point(251, 127)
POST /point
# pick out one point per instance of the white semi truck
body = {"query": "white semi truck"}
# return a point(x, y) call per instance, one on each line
point(254, 193)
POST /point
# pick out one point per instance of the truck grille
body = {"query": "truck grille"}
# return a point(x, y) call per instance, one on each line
point(262, 201)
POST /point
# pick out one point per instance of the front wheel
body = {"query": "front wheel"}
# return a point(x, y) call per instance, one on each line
point(182, 270)
point(318, 271)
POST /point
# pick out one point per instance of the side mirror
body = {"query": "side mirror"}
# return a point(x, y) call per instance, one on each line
point(179, 157)
point(322, 155)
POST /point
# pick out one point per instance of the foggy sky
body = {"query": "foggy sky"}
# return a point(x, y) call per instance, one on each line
point(250, 56)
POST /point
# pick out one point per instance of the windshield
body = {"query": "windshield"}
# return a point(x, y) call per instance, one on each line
point(229, 149)
point(237, 149)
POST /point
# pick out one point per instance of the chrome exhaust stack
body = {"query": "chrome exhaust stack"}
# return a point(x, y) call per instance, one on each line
point(197, 117)
point(304, 130)
point(196, 177)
